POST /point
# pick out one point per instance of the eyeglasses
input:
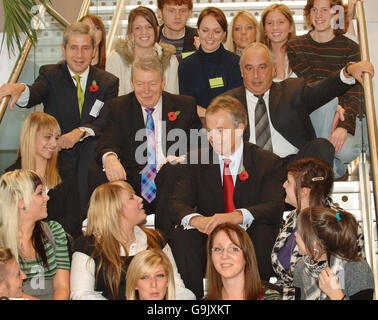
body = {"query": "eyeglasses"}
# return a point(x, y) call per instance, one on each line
point(233, 250)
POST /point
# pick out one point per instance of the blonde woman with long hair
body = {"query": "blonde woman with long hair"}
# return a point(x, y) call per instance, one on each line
point(40, 248)
point(150, 277)
point(113, 237)
point(243, 30)
point(277, 27)
point(38, 150)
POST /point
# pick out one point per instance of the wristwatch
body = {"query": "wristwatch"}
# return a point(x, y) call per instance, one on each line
point(346, 69)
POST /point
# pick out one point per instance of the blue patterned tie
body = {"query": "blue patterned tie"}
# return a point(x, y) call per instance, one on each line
point(149, 171)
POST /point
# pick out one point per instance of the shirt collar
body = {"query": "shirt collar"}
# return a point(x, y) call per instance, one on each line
point(84, 75)
point(251, 95)
point(235, 157)
point(158, 106)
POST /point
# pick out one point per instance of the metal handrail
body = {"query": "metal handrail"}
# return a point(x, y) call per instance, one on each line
point(373, 136)
point(84, 9)
point(113, 27)
point(27, 46)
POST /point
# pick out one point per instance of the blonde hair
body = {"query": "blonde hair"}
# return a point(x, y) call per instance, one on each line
point(14, 186)
point(143, 263)
point(230, 44)
point(35, 122)
point(103, 223)
point(285, 12)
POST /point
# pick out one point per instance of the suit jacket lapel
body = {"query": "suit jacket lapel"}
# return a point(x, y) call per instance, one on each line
point(246, 165)
point(212, 174)
point(70, 88)
point(275, 95)
point(89, 97)
point(167, 125)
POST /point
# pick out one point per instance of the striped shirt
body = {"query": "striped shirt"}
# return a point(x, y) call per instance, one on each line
point(316, 61)
point(57, 258)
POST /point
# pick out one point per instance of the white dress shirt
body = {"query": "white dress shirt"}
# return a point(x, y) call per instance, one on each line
point(235, 168)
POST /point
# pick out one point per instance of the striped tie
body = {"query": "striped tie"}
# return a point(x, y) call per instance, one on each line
point(262, 129)
point(80, 93)
point(148, 186)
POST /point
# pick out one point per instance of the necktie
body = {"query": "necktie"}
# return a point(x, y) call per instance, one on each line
point(80, 93)
point(262, 129)
point(228, 187)
point(148, 186)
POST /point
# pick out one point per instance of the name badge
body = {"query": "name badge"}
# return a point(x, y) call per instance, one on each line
point(186, 54)
point(216, 82)
point(96, 108)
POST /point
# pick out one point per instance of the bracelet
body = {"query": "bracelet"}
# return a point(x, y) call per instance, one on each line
point(346, 69)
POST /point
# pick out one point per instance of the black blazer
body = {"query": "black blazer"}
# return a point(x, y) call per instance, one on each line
point(199, 189)
point(55, 88)
point(126, 118)
point(291, 102)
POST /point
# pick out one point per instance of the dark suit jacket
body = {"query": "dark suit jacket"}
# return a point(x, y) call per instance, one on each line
point(290, 103)
point(126, 118)
point(55, 88)
point(199, 189)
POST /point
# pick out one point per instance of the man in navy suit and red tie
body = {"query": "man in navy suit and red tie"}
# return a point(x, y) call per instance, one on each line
point(232, 181)
point(74, 93)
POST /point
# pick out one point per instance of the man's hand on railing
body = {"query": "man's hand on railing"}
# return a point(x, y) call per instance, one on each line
point(357, 70)
point(12, 90)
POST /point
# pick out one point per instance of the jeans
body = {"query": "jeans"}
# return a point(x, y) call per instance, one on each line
point(322, 122)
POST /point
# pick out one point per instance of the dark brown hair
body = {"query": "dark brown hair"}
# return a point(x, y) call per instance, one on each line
point(310, 5)
point(217, 14)
point(315, 174)
point(147, 14)
point(335, 233)
point(253, 287)
point(102, 45)
point(161, 3)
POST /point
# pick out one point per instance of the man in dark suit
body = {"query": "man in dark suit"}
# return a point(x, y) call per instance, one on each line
point(78, 108)
point(122, 148)
point(206, 195)
point(288, 104)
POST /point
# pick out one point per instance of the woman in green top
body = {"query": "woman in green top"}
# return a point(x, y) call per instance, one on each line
point(232, 272)
point(40, 248)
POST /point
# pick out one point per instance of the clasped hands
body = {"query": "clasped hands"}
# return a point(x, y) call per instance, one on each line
point(207, 224)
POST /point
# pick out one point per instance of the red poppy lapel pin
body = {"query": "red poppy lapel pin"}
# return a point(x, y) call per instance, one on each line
point(243, 175)
point(93, 87)
point(172, 116)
